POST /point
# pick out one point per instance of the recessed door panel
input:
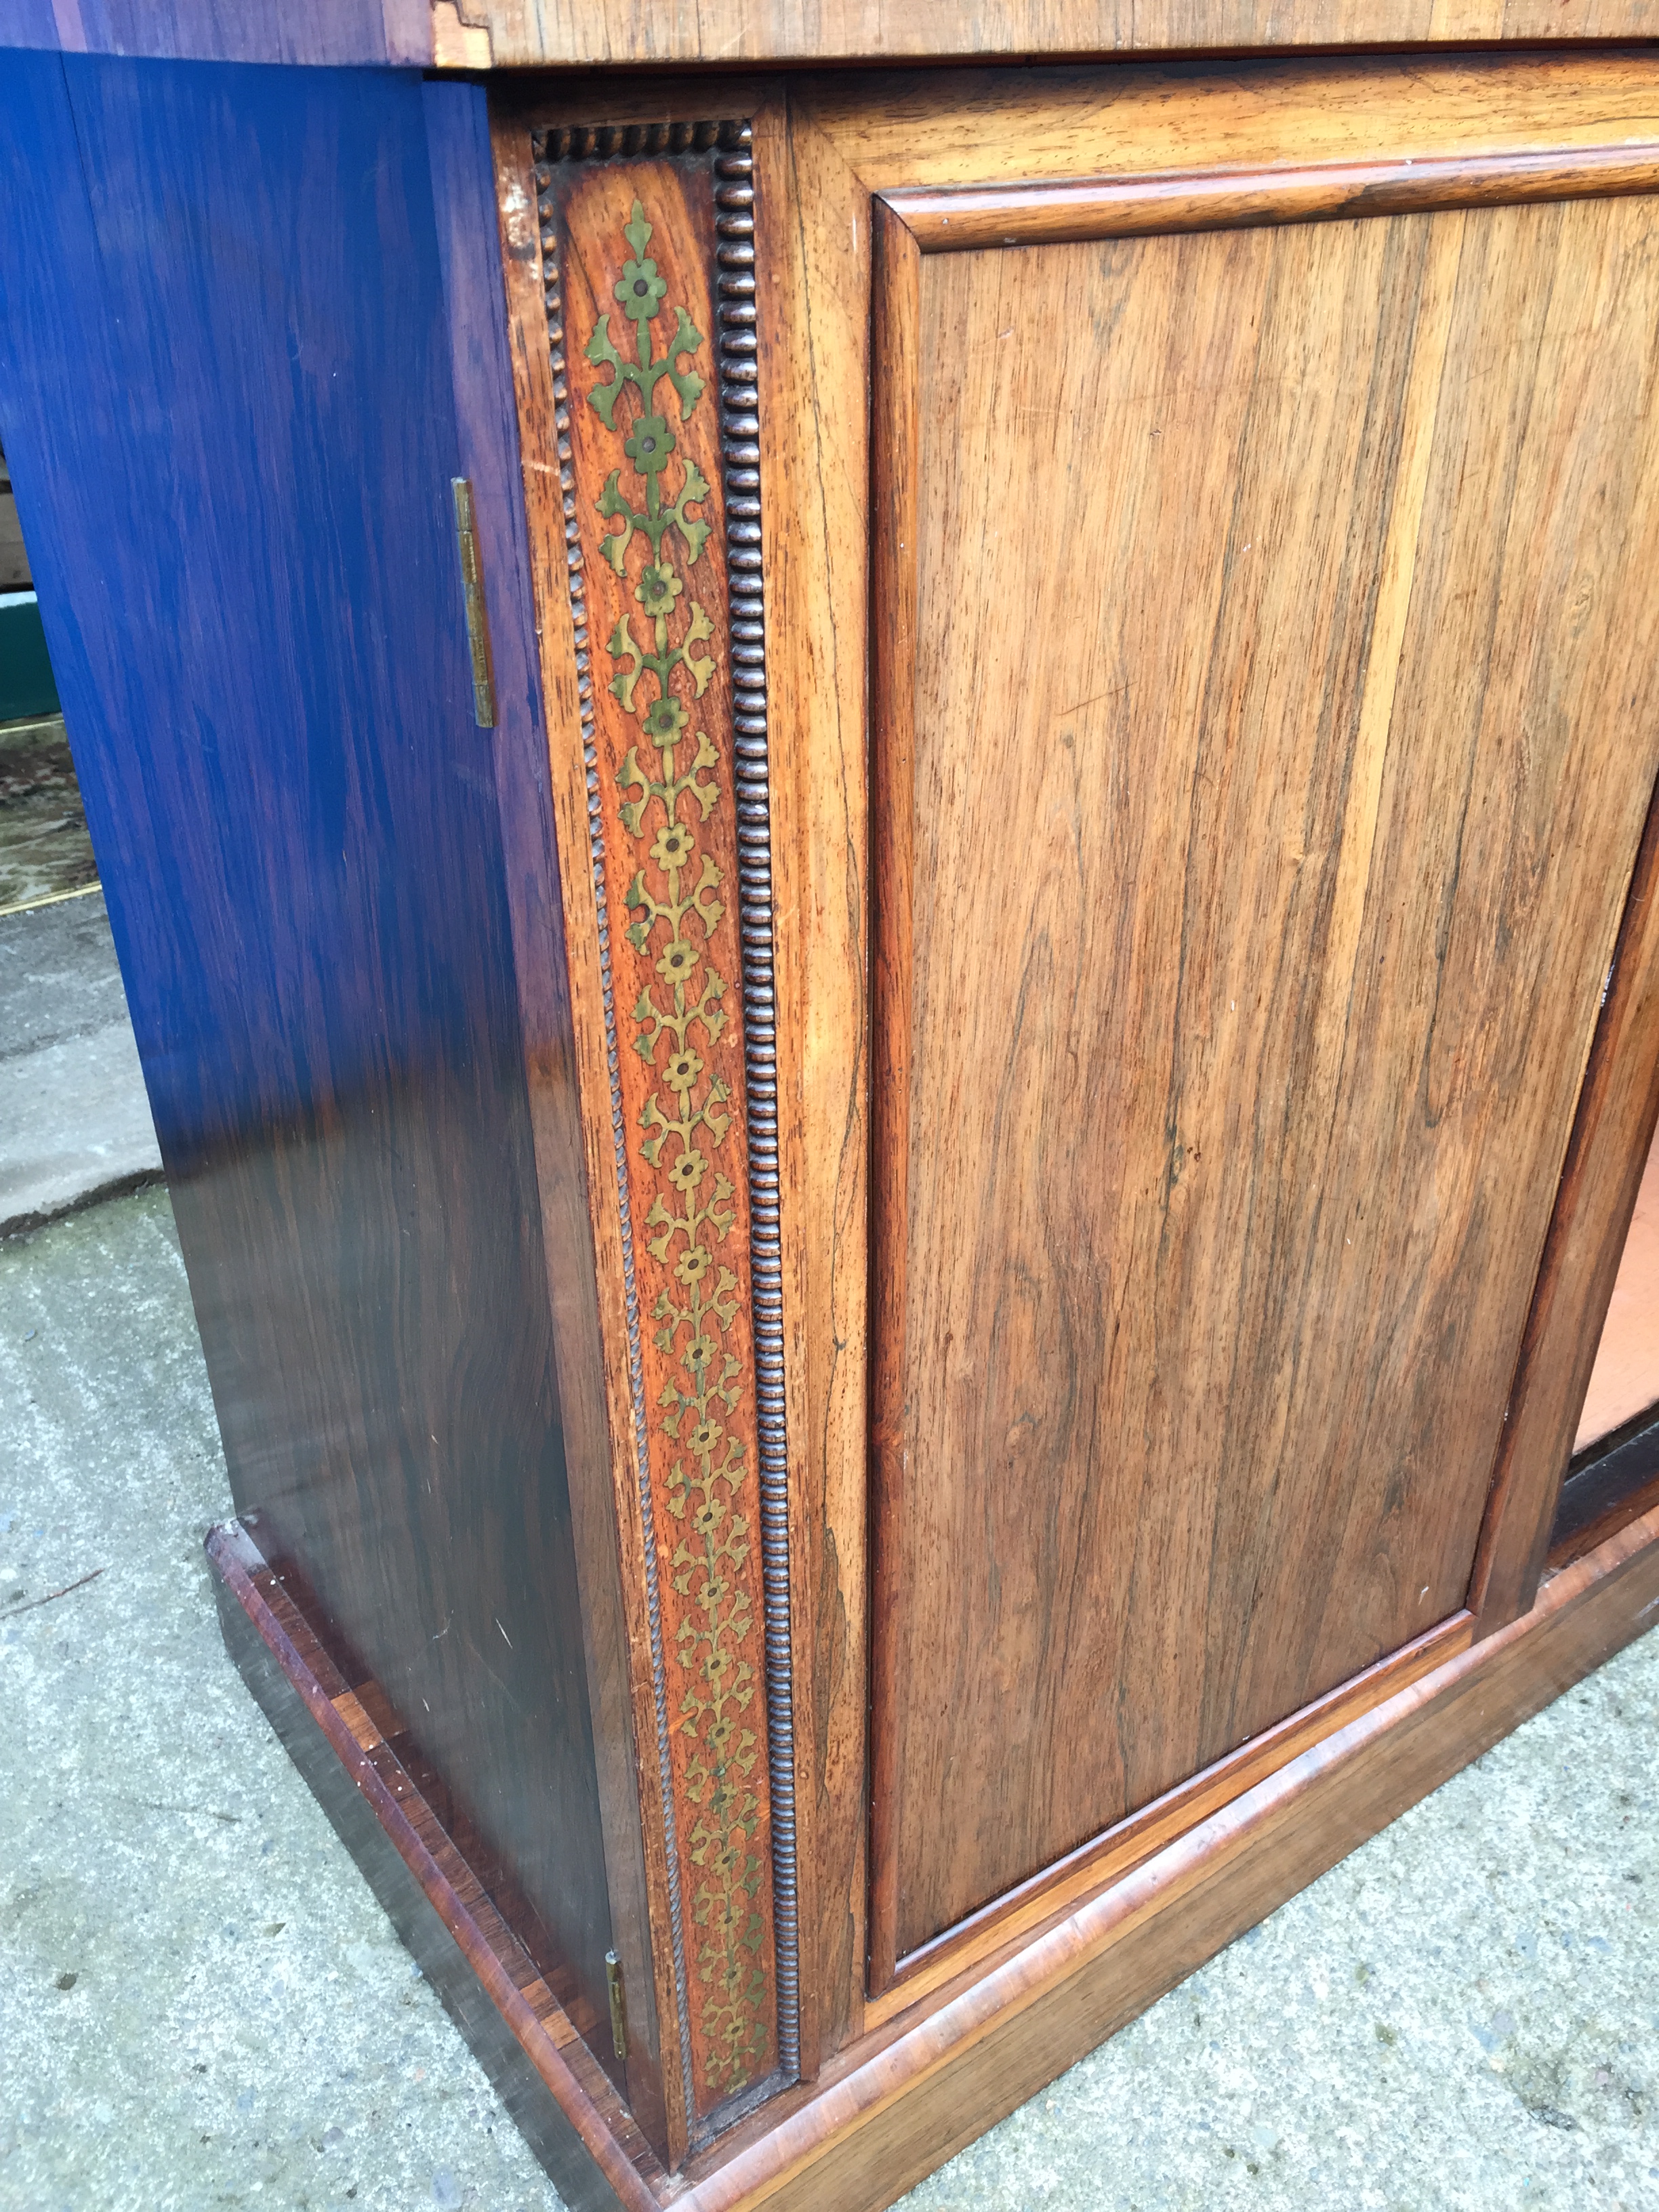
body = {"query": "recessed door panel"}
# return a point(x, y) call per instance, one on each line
point(1283, 723)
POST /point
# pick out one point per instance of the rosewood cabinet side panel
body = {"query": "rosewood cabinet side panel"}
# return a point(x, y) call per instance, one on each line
point(228, 408)
point(491, 457)
point(1282, 736)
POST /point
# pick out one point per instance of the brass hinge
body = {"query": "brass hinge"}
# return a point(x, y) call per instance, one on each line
point(477, 619)
point(613, 1978)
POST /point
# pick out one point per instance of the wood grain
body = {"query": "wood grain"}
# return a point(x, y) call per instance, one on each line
point(523, 32)
point(1612, 1133)
point(813, 270)
point(983, 1939)
point(987, 129)
point(246, 559)
point(896, 382)
point(962, 218)
point(1275, 921)
point(891, 2112)
point(730, 31)
point(529, 33)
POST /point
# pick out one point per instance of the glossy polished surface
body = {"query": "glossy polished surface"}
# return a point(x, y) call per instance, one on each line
point(1283, 739)
point(228, 406)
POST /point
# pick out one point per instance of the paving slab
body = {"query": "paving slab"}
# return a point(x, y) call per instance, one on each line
point(203, 2005)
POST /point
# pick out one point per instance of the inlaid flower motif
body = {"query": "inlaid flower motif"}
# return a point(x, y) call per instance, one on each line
point(639, 289)
point(649, 443)
point(683, 1069)
point(725, 1860)
point(658, 587)
point(664, 719)
point(677, 877)
point(721, 1734)
point(671, 847)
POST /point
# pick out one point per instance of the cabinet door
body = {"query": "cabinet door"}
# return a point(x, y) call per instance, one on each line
point(1265, 721)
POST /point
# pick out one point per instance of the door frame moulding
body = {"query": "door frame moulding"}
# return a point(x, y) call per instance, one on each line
point(1612, 1132)
point(961, 218)
point(1619, 1099)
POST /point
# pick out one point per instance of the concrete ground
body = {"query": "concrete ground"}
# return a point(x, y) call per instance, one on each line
point(45, 850)
point(74, 1122)
point(205, 2006)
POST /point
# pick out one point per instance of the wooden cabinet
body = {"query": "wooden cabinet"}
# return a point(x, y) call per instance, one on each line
point(902, 1126)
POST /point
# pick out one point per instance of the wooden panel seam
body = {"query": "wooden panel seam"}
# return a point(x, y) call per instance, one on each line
point(1105, 1859)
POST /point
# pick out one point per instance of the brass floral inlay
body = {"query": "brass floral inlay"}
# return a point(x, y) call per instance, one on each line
point(669, 788)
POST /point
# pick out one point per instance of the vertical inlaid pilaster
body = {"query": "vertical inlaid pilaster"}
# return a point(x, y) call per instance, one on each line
point(650, 255)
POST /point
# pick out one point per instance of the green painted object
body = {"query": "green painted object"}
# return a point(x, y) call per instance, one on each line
point(27, 688)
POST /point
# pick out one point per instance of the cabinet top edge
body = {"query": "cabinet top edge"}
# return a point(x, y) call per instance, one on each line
point(476, 36)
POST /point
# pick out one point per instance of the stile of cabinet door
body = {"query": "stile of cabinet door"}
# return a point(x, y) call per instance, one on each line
point(1255, 805)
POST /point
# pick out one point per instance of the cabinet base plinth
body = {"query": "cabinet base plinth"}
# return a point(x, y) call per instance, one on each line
point(890, 2108)
point(555, 2091)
